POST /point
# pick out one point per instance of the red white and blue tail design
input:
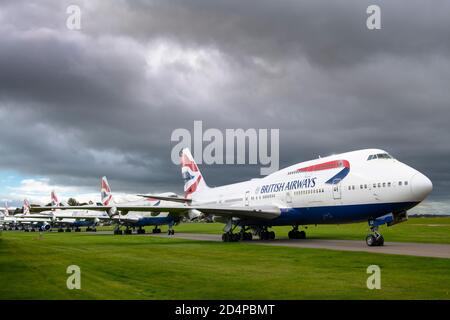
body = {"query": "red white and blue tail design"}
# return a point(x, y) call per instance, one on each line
point(106, 192)
point(193, 179)
point(26, 207)
point(55, 201)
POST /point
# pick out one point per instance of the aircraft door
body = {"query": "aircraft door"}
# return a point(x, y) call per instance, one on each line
point(288, 197)
point(246, 198)
point(337, 191)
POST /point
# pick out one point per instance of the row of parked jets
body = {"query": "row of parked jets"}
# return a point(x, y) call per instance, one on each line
point(363, 185)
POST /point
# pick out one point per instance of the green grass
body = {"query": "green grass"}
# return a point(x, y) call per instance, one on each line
point(426, 230)
point(144, 267)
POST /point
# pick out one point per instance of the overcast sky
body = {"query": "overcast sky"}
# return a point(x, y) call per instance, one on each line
point(104, 100)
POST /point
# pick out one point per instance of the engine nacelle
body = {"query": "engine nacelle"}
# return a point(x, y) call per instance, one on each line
point(194, 214)
point(112, 211)
point(45, 227)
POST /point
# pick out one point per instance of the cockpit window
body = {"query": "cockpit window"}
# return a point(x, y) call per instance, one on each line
point(379, 156)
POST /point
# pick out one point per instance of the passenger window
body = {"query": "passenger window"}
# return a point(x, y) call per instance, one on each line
point(389, 184)
point(384, 184)
point(379, 185)
point(365, 186)
point(406, 183)
point(399, 183)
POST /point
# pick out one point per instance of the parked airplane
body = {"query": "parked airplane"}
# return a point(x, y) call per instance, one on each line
point(73, 219)
point(132, 219)
point(364, 185)
point(133, 214)
point(9, 221)
point(29, 222)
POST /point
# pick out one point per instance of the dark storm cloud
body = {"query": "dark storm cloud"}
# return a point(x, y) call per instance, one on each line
point(75, 105)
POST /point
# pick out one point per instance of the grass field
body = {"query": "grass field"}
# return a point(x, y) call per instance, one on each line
point(426, 230)
point(145, 267)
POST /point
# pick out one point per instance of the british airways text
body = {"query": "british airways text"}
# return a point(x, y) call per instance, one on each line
point(291, 185)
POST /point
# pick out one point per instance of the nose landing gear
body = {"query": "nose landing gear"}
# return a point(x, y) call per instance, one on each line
point(375, 239)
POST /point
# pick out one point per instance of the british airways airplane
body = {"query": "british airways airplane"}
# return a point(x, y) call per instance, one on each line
point(364, 185)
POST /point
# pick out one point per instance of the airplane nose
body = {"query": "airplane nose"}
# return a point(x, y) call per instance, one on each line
point(421, 186)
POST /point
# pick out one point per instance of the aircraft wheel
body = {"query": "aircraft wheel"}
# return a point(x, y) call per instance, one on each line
point(271, 235)
point(225, 237)
point(370, 240)
point(380, 241)
point(264, 235)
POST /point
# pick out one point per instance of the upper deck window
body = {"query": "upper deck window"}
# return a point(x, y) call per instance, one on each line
point(379, 156)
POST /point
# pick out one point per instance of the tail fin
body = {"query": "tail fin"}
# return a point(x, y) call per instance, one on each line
point(55, 201)
point(105, 191)
point(6, 209)
point(194, 182)
point(26, 207)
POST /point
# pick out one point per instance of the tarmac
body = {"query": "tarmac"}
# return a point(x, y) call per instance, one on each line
point(399, 248)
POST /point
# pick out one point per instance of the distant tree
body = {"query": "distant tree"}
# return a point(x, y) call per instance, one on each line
point(73, 202)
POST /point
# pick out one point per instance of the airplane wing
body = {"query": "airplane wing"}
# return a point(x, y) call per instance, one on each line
point(94, 207)
point(261, 212)
point(165, 198)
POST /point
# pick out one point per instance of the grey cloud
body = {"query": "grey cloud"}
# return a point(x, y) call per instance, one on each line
point(87, 103)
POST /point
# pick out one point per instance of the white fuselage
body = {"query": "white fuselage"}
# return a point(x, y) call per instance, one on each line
point(341, 188)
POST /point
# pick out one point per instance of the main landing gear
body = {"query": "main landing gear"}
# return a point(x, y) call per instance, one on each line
point(230, 237)
point(295, 234)
point(265, 234)
point(156, 230)
point(117, 230)
point(140, 230)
